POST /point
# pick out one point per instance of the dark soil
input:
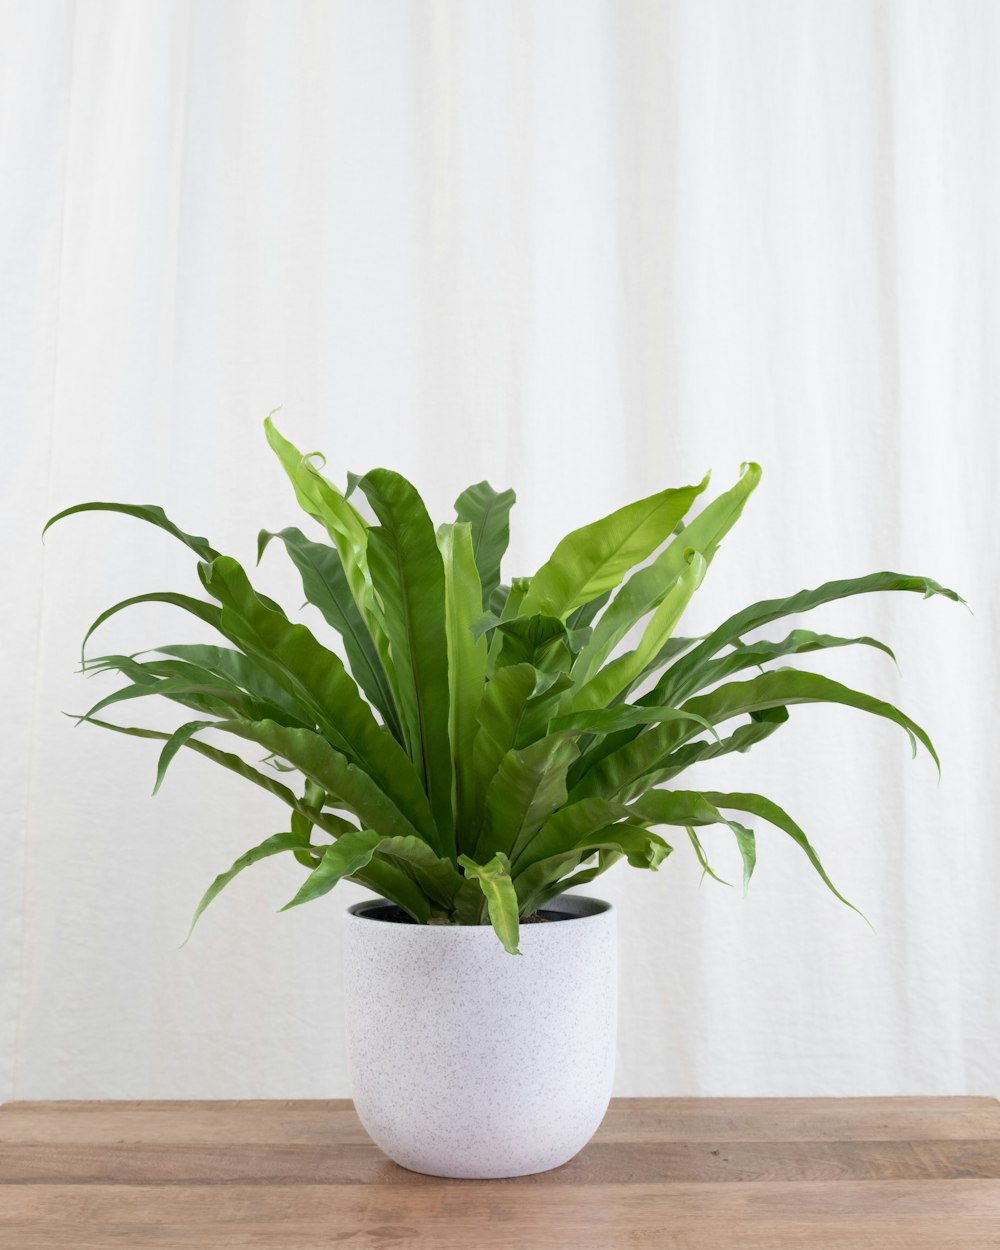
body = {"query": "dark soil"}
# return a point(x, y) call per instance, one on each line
point(397, 916)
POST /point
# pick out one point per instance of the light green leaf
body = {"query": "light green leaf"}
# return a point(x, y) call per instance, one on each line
point(501, 898)
point(466, 667)
point(594, 558)
point(646, 588)
point(699, 851)
point(622, 674)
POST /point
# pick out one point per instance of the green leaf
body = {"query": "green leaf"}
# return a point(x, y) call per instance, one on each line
point(408, 574)
point(194, 685)
point(318, 680)
point(346, 527)
point(699, 850)
point(584, 615)
point(605, 859)
point(173, 744)
point(622, 674)
point(529, 786)
point(354, 852)
point(143, 512)
point(642, 848)
point(316, 759)
point(646, 588)
point(758, 805)
point(488, 513)
point(621, 775)
point(761, 726)
point(501, 898)
point(383, 878)
point(501, 712)
point(594, 558)
point(541, 641)
point(754, 654)
point(206, 612)
point(570, 828)
point(625, 716)
point(233, 666)
point(170, 687)
point(508, 610)
point(326, 587)
point(466, 666)
point(343, 858)
point(683, 678)
point(274, 845)
point(690, 808)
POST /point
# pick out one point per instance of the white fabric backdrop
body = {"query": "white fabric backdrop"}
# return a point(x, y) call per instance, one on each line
point(586, 249)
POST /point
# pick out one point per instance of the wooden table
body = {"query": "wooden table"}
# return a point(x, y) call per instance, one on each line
point(669, 1173)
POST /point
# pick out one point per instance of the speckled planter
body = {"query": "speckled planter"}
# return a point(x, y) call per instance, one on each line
point(466, 1061)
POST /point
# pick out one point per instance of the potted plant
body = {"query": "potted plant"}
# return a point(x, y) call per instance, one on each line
point(482, 747)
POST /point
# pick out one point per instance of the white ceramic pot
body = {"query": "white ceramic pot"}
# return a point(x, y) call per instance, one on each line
point(466, 1061)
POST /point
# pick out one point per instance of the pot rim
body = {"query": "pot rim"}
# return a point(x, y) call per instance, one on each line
point(578, 907)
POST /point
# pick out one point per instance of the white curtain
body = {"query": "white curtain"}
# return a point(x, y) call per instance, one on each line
point(585, 249)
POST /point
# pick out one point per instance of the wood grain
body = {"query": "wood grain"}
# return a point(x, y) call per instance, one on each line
point(675, 1174)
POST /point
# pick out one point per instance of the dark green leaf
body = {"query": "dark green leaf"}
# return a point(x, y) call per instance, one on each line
point(758, 805)
point(408, 574)
point(642, 848)
point(621, 775)
point(690, 808)
point(326, 587)
point(682, 678)
point(528, 787)
point(318, 680)
point(274, 845)
point(381, 877)
point(541, 641)
point(173, 744)
point(143, 512)
point(488, 513)
point(206, 612)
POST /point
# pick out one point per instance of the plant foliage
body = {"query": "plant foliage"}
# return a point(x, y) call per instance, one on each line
point(485, 745)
